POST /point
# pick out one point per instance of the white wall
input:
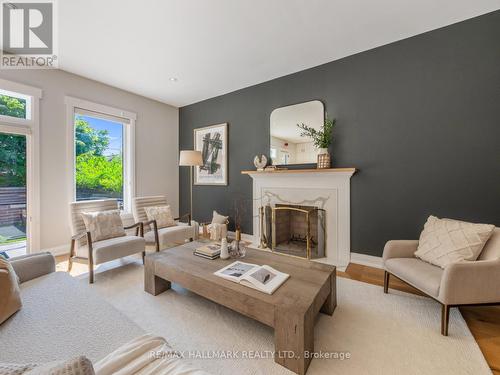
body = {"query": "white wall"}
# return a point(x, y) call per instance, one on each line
point(157, 144)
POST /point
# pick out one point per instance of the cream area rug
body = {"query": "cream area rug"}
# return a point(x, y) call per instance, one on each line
point(397, 333)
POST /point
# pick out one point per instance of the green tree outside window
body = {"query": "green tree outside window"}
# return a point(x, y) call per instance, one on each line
point(13, 107)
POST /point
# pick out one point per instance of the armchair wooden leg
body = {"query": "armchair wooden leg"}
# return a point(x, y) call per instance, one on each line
point(91, 258)
point(445, 317)
point(71, 255)
point(143, 257)
point(386, 281)
point(91, 271)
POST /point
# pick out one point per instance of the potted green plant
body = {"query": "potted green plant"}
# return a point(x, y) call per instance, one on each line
point(322, 138)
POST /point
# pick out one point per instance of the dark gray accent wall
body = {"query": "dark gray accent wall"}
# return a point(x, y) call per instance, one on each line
point(419, 118)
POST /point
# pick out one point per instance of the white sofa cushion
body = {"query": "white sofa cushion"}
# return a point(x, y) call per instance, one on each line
point(104, 225)
point(446, 241)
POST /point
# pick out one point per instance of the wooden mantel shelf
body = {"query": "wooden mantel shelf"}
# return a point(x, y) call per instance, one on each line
point(311, 170)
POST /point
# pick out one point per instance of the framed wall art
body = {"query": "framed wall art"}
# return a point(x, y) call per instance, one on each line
point(211, 141)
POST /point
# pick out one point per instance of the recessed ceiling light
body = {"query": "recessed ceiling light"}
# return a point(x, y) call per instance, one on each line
point(173, 79)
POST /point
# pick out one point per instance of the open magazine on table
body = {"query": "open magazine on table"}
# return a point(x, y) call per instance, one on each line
point(263, 278)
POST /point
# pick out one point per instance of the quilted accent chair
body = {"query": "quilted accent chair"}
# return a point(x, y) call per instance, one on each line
point(459, 284)
point(162, 238)
point(82, 246)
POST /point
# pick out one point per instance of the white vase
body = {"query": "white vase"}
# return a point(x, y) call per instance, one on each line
point(322, 151)
point(224, 251)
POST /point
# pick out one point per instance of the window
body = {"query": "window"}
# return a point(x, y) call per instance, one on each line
point(19, 168)
point(99, 162)
point(100, 152)
point(15, 105)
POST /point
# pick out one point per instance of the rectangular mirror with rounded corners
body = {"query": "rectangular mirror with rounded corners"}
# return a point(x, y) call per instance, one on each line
point(288, 146)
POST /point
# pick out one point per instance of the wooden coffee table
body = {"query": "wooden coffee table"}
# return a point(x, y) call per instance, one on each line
point(291, 310)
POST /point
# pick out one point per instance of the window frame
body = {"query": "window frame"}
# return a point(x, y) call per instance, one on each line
point(31, 129)
point(129, 181)
point(28, 120)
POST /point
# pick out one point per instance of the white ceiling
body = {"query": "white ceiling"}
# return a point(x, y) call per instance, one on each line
point(218, 46)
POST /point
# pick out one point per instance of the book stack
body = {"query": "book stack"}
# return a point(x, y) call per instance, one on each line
point(211, 251)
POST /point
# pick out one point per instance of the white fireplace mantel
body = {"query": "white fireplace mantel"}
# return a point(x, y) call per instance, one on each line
point(324, 188)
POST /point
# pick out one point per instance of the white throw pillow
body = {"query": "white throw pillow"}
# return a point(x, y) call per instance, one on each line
point(162, 215)
point(104, 225)
point(219, 219)
point(446, 241)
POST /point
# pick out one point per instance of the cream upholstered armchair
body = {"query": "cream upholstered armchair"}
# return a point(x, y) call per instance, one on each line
point(97, 252)
point(459, 284)
point(162, 238)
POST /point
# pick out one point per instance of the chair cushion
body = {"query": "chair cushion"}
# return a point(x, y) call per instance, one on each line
point(491, 250)
point(171, 235)
point(162, 215)
point(420, 274)
point(104, 225)
point(10, 295)
point(115, 248)
point(446, 241)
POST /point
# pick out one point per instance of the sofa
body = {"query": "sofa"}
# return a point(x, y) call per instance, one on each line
point(62, 318)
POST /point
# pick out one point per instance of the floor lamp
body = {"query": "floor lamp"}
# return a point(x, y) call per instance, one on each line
point(190, 158)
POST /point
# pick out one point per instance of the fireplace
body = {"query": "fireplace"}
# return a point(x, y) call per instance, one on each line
point(295, 230)
point(326, 189)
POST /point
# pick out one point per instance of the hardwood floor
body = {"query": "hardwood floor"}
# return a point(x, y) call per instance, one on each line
point(483, 322)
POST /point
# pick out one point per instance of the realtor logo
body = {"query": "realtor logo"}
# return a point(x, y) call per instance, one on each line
point(28, 35)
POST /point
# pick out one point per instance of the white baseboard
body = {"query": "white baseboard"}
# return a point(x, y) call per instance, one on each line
point(57, 250)
point(367, 260)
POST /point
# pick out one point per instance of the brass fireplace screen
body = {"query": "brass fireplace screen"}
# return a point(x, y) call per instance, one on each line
point(294, 230)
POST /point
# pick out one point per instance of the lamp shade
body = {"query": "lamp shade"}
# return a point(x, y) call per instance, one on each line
point(190, 158)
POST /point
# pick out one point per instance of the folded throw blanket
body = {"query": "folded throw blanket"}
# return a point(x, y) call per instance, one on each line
point(145, 355)
point(217, 231)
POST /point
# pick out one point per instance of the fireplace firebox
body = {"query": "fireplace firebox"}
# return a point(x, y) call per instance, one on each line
point(295, 230)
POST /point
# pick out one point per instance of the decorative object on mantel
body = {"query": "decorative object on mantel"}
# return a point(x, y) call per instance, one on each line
point(324, 160)
point(211, 141)
point(271, 168)
point(260, 162)
point(322, 140)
